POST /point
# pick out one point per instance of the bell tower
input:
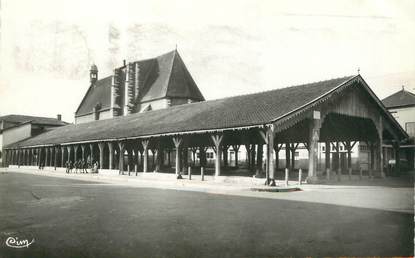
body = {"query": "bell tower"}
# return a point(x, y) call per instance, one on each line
point(93, 74)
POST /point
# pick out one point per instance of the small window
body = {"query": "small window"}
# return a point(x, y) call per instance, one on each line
point(323, 148)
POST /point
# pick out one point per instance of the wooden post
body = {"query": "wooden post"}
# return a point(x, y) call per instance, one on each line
point(270, 144)
point(293, 149)
point(286, 176)
point(217, 141)
point(189, 172)
point(300, 174)
point(287, 155)
point(339, 168)
point(380, 134)
point(202, 173)
point(236, 150)
point(75, 153)
point(55, 158)
point(314, 136)
point(69, 149)
point(40, 157)
point(101, 147)
point(83, 153)
point(91, 149)
point(145, 143)
point(111, 155)
point(225, 155)
point(46, 157)
point(121, 147)
point(253, 155)
point(327, 158)
point(259, 158)
point(177, 142)
point(62, 157)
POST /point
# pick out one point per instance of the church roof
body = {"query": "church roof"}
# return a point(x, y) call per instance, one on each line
point(235, 112)
point(401, 98)
point(165, 76)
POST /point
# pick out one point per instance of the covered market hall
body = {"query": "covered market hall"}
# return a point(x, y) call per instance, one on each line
point(343, 110)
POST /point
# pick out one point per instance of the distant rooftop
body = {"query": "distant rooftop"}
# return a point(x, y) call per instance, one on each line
point(20, 119)
point(402, 98)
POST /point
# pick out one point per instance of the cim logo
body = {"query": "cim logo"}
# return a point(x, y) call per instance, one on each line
point(15, 242)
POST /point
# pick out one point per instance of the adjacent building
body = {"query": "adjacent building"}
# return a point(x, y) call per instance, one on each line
point(402, 107)
point(15, 128)
point(138, 86)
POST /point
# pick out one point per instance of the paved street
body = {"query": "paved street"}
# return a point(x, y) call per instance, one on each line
point(73, 218)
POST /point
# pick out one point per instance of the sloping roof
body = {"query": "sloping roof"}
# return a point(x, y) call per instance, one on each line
point(98, 93)
point(399, 99)
point(160, 77)
point(239, 111)
point(173, 80)
point(18, 119)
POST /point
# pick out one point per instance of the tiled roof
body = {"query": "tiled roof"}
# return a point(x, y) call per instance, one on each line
point(399, 99)
point(239, 111)
point(18, 119)
point(98, 93)
point(161, 77)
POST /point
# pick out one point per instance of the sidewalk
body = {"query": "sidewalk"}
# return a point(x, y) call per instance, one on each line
point(383, 197)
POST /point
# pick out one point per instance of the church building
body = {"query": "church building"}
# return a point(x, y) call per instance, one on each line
point(138, 86)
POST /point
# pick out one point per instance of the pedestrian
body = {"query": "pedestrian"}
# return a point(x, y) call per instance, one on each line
point(70, 166)
point(86, 167)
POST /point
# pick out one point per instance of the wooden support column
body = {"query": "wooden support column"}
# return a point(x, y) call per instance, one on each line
point(203, 160)
point(217, 141)
point(40, 157)
point(294, 147)
point(259, 158)
point(62, 156)
point(101, 147)
point(314, 136)
point(75, 153)
point(111, 155)
point(159, 157)
point(55, 163)
point(253, 157)
point(397, 159)
point(169, 158)
point(287, 155)
point(248, 155)
point(46, 156)
point(225, 149)
point(83, 152)
point(380, 135)
point(270, 147)
point(327, 156)
point(145, 143)
point(121, 147)
point(236, 150)
point(91, 153)
point(277, 148)
point(177, 142)
point(69, 149)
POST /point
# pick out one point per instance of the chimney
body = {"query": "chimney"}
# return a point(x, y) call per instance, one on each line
point(124, 62)
point(59, 117)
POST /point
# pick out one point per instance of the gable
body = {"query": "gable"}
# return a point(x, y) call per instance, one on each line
point(98, 93)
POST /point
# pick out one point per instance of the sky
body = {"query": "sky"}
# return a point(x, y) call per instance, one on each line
point(230, 47)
